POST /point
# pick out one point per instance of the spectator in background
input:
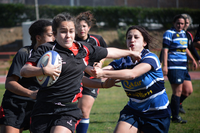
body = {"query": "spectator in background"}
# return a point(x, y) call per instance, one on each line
point(21, 92)
point(190, 37)
point(175, 53)
point(197, 38)
point(188, 90)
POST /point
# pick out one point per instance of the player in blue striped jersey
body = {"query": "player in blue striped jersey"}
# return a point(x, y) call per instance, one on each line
point(175, 54)
point(148, 106)
point(176, 42)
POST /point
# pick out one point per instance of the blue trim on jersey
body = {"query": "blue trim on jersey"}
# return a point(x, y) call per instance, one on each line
point(147, 92)
point(177, 44)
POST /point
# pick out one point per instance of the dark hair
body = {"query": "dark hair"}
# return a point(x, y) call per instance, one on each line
point(87, 16)
point(178, 17)
point(60, 18)
point(38, 28)
point(147, 37)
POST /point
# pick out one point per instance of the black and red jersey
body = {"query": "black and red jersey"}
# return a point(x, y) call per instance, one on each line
point(191, 46)
point(68, 86)
point(17, 63)
point(94, 40)
point(197, 35)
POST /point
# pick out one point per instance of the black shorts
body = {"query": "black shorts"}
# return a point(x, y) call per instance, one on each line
point(91, 91)
point(46, 115)
point(16, 113)
point(43, 124)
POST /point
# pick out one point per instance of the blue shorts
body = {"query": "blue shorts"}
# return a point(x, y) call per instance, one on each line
point(177, 76)
point(155, 125)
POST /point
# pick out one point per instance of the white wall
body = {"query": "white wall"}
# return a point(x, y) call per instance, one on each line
point(26, 36)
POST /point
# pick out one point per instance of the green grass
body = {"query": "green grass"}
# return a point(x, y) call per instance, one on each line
point(2, 90)
point(105, 111)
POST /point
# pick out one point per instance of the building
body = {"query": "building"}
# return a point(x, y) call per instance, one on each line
point(195, 4)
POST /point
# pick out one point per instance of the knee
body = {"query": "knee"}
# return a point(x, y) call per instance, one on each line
point(85, 112)
point(190, 92)
point(187, 92)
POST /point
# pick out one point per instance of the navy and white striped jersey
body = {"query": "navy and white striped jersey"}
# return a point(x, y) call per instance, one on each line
point(147, 95)
point(176, 42)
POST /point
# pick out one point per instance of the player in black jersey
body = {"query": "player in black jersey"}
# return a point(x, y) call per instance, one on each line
point(197, 38)
point(21, 92)
point(56, 109)
point(84, 21)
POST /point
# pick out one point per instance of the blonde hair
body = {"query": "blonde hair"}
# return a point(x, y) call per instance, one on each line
point(187, 16)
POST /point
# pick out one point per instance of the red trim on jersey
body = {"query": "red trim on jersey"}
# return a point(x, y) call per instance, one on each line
point(79, 95)
point(2, 114)
point(77, 123)
point(30, 120)
point(31, 63)
point(86, 59)
point(74, 48)
point(191, 35)
point(97, 41)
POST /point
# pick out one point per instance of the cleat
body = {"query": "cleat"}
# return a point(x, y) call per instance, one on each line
point(178, 120)
point(181, 110)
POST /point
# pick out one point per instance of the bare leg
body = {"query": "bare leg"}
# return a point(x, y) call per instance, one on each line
point(124, 127)
point(177, 89)
point(85, 104)
point(60, 129)
point(186, 91)
point(10, 129)
point(187, 88)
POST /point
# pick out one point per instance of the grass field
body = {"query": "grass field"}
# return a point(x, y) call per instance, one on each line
point(105, 112)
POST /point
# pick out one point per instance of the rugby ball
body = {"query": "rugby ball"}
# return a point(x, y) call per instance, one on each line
point(55, 59)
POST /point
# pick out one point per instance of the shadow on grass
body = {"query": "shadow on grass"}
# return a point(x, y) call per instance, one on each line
point(101, 113)
point(99, 122)
point(193, 109)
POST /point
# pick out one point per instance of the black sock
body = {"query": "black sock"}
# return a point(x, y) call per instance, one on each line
point(175, 102)
point(182, 98)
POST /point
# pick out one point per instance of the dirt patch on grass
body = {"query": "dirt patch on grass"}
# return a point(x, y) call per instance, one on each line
point(9, 35)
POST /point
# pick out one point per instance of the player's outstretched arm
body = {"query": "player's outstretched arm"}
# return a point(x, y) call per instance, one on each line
point(87, 82)
point(123, 74)
point(115, 53)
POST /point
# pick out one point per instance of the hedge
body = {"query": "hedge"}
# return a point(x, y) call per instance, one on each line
point(15, 14)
